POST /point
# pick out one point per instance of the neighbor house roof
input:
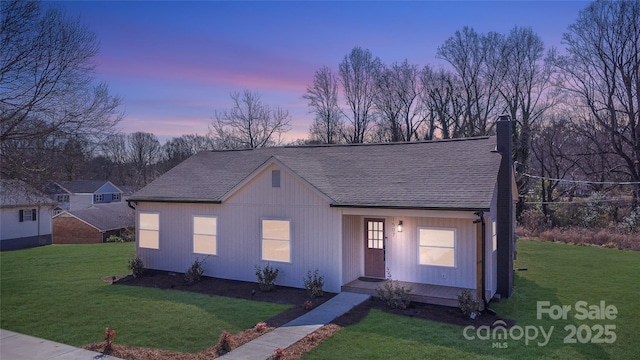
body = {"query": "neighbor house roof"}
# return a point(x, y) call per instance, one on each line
point(15, 193)
point(77, 186)
point(444, 174)
point(104, 217)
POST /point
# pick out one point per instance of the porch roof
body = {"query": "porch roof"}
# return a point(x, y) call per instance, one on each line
point(444, 174)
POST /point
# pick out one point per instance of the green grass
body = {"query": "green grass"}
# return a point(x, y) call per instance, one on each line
point(559, 273)
point(56, 292)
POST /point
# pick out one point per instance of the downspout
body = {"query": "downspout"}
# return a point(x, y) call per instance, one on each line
point(483, 275)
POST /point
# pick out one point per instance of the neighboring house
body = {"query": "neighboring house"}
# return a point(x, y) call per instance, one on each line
point(437, 215)
point(25, 216)
point(93, 225)
point(81, 194)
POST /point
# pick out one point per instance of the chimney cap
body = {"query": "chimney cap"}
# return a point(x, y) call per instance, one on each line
point(504, 118)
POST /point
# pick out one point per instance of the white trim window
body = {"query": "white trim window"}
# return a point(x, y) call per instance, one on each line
point(149, 230)
point(276, 240)
point(437, 246)
point(205, 234)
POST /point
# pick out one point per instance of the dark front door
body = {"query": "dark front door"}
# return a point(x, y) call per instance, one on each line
point(374, 248)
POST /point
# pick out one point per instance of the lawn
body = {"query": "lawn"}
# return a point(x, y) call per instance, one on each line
point(56, 292)
point(559, 273)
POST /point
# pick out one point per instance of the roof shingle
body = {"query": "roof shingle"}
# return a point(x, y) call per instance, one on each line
point(445, 174)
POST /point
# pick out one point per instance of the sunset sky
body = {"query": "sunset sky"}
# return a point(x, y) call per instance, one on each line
point(175, 63)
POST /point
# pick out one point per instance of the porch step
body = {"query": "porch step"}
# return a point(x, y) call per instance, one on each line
point(422, 293)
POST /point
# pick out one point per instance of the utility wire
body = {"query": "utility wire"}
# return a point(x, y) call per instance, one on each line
point(582, 181)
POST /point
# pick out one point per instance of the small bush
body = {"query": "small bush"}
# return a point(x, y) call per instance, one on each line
point(266, 277)
point(308, 305)
point(225, 342)
point(468, 303)
point(260, 327)
point(115, 239)
point(194, 273)
point(128, 234)
point(109, 336)
point(394, 295)
point(136, 266)
point(313, 283)
point(534, 221)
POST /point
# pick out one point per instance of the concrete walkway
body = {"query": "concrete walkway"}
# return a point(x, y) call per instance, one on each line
point(295, 330)
point(16, 346)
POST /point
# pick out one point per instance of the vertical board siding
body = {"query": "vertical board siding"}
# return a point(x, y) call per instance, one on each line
point(315, 233)
point(353, 248)
point(401, 256)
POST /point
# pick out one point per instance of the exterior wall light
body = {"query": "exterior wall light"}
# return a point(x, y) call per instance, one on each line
point(400, 226)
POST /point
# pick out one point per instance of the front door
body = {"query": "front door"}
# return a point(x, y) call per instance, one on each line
point(374, 240)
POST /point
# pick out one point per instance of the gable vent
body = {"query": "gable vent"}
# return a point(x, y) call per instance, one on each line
point(275, 178)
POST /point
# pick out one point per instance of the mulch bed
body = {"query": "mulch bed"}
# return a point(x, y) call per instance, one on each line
point(281, 295)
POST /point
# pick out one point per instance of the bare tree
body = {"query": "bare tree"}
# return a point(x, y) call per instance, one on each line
point(114, 149)
point(358, 71)
point(182, 147)
point(475, 58)
point(444, 102)
point(602, 69)
point(250, 123)
point(556, 154)
point(144, 152)
point(397, 100)
point(526, 93)
point(46, 77)
point(323, 99)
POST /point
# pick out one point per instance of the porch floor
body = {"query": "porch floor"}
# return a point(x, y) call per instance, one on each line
point(423, 293)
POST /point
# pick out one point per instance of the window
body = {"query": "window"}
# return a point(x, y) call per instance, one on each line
point(27, 215)
point(494, 236)
point(276, 240)
point(98, 198)
point(149, 233)
point(437, 247)
point(275, 178)
point(63, 198)
point(115, 197)
point(205, 229)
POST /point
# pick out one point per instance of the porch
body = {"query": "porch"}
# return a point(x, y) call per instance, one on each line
point(424, 293)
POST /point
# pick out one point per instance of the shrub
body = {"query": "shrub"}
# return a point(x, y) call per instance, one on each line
point(631, 223)
point(109, 336)
point(225, 342)
point(595, 212)
point(468, 303)
point(128, 234)
point(278, 353)
point(260, 327)
point(308, 305)
point(194, 273)
point(136, 266)
point(115, 239)
point(393, 294)
point(313, 283)
point(266, 277)
point(534, 221)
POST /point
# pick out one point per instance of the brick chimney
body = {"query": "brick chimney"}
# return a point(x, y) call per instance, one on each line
point(504, 208)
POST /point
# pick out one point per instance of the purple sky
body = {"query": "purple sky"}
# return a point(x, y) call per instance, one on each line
point(175, 63)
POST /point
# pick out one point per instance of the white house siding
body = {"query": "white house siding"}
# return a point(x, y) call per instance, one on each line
point(315, 232)
point(402, 248)
point(352, 247)
point(16, 234)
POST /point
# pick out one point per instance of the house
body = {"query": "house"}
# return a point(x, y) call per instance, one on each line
point(25, 216)
point(82, 194)
point(437, 215)
point(93, 225)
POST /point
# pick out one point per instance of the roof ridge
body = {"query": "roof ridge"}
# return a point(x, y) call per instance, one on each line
point(308, 146)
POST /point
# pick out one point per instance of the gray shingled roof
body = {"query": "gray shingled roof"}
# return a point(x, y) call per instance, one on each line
point(82, 186)
point(446, 174)
point(15, 193)
point(105, 217)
